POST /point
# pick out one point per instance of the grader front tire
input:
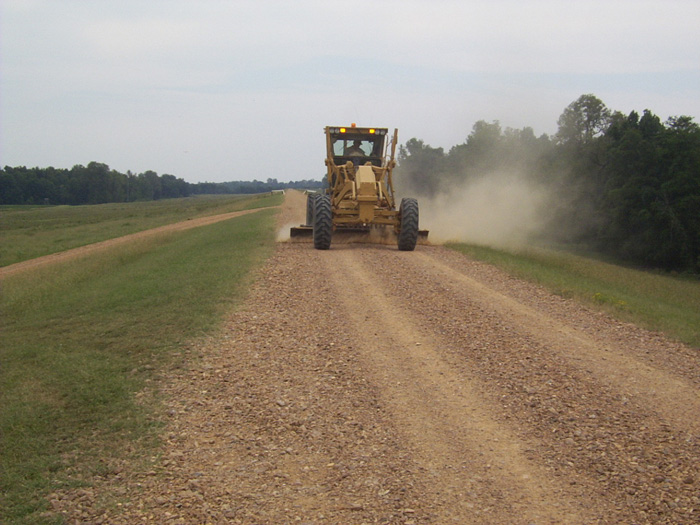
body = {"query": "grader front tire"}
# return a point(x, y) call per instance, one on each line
point(408, 235)
point(322, 222)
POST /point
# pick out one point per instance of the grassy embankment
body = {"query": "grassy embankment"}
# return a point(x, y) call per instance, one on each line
point(82, 341)
point(32, 231)
point(670, 304)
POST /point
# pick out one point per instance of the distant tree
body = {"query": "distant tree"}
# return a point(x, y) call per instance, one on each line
point(78, 185)
point(420, 166)
point(10, 188)
point(150, 185)
point(652, 197)
point(583, 120)
point(172, 187)
point(97, 177)
point(484, 138)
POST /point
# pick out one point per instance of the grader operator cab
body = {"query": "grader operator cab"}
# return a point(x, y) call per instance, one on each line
point(360, 195)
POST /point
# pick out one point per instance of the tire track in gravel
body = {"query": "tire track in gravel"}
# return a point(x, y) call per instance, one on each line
point(613, 446)
point(675, 399)
point(475, 465)
point(273, 421)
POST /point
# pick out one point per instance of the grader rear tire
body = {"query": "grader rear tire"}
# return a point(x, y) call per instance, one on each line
point(408, 235)
point(322, 222)
point(310, 203)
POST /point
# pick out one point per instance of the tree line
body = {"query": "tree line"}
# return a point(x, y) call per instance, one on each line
point(627, 186)
point(96, 183)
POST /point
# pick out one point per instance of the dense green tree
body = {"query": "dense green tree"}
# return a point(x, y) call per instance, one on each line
point(624, 184)
point(583, 120)
point(652, 197)
point(173, 187)
point(421, 166)
point(97, 177)
point(10, 187)
point(96, 183)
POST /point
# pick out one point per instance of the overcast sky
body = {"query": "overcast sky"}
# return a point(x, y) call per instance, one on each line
point(238, 90)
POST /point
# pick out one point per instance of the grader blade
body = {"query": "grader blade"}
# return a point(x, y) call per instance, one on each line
point(352, 235)
point(301, 232)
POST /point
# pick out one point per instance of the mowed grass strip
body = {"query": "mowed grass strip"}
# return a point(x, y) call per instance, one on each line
point(27, 232)
point(80, 340)
point(667, 303)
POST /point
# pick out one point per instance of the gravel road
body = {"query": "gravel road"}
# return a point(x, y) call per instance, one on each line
point(367, 385)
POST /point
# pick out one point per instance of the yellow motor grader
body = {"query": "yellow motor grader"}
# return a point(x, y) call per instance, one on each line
point(360, 195)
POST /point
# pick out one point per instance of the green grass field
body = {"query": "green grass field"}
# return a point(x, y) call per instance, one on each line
point(81, 342)
point(667, 303)
point(32, 231)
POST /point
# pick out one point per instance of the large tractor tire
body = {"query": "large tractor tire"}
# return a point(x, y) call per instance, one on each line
point(408, 234)
point(310, 204)
point(323, 222)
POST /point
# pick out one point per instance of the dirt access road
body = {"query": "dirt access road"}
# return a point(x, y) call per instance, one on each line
point(89, 249)
point(367, 385)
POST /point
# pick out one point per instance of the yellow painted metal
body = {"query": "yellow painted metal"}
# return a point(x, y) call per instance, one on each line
point(359, 163)
point(360, 184)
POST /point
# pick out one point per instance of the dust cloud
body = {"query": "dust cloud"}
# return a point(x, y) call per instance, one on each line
point(283, 233)
point(292, 213)
point(504, 210)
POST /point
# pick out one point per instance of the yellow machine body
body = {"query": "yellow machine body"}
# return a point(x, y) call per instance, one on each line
point(360, 195)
